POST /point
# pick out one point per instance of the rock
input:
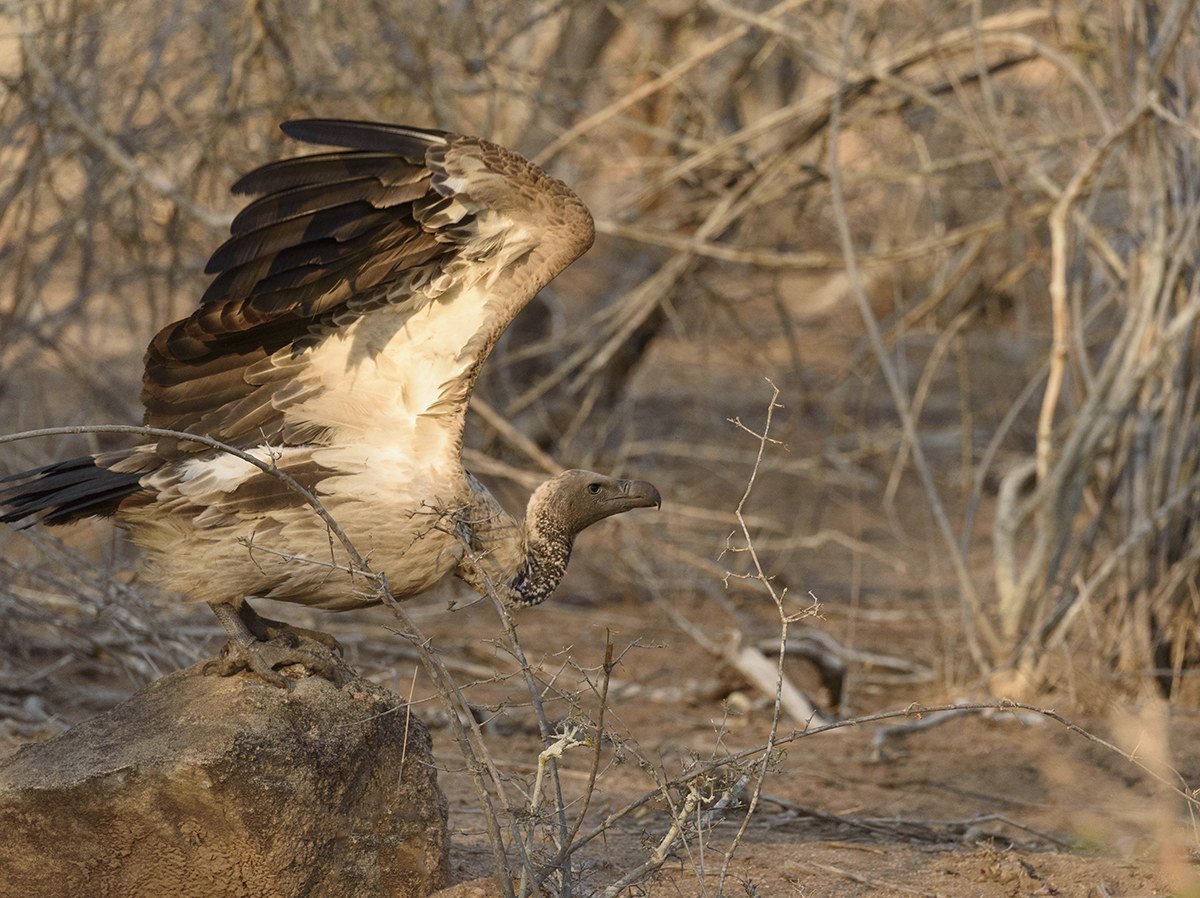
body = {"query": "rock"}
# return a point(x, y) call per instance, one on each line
point(475, 888)
point(223, 786)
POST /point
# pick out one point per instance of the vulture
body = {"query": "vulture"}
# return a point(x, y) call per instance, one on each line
point(351, 310)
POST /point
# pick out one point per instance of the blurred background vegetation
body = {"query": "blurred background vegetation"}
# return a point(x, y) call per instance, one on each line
point(959, 236)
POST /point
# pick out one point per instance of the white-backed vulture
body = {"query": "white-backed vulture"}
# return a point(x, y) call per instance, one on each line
point(339, 340)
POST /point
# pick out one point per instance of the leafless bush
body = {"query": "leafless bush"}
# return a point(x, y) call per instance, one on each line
point(1095, 532)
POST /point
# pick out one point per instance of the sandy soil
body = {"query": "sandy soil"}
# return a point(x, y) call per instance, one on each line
point(983, 804)
point(986, 804)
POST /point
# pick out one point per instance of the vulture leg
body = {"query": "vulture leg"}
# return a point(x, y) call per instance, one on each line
point(265, 629)
point(246, 651)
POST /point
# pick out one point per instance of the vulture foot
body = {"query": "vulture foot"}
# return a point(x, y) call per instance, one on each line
point(263, 657)
point(261, 645)
point(265, 629)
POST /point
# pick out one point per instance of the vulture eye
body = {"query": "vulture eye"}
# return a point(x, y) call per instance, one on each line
point(593, 487)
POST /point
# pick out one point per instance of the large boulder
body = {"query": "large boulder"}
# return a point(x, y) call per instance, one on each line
point(225, 786)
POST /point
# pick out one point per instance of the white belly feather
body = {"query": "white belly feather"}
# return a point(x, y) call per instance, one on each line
point(205, 540)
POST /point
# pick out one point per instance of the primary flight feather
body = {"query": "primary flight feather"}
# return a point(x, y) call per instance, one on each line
point(351, 310)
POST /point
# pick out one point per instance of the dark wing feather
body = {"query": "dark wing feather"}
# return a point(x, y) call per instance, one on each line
point(65, 491)
point(380, 137)
point(402, 216)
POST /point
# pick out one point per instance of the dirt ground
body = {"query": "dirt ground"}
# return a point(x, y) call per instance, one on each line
point(981, 804)
point(994, 804)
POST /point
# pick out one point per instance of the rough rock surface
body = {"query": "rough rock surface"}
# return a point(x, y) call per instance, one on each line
point(224, 786)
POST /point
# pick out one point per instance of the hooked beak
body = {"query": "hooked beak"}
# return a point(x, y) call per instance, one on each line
point(638, 494)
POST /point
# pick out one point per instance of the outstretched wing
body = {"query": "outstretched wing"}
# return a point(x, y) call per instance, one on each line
point(363, 289)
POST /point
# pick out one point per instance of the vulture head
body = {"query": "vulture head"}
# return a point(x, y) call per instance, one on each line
point(574, 500)
point(558, 511)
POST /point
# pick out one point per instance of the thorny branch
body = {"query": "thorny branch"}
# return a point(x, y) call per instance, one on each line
point(768, 750)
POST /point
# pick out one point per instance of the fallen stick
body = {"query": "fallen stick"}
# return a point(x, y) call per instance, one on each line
point(764, 675)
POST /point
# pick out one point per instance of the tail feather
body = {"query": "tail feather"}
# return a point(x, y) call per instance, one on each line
point(65, 491)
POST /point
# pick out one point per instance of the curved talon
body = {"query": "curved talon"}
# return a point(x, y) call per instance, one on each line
point(278, 630)
point(266, 629)
point(261, 645)
point(263, 657)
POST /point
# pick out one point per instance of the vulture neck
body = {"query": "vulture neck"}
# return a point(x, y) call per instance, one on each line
point(547, 549)
point(522, 561)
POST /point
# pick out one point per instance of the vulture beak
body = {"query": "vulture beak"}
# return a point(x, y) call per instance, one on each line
point(638, 494)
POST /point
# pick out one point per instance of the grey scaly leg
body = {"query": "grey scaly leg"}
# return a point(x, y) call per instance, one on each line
point(266, 629)
point(245, 651)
